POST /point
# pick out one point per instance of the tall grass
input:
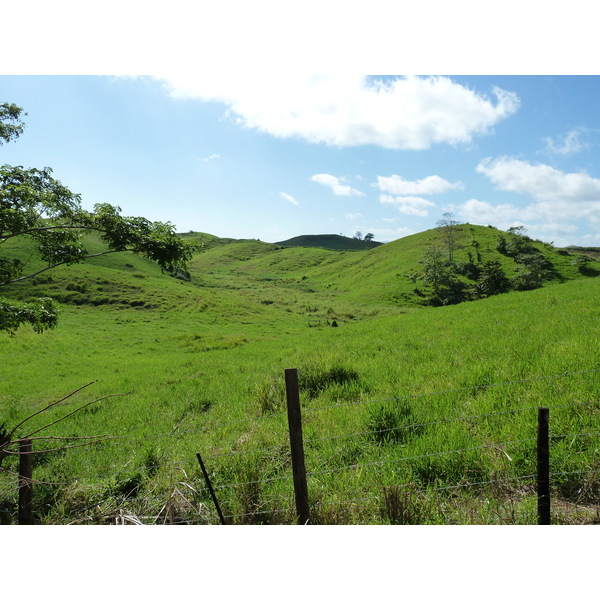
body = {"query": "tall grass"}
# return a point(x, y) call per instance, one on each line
point(400, 405)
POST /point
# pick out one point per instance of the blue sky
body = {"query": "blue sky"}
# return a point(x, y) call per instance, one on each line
point(274, 157)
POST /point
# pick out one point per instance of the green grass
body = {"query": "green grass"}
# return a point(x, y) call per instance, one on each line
point(202, 364)
point(329, 241)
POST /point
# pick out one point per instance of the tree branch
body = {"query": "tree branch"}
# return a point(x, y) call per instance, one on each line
point(64, 262)
point(73, 412)
point(3, 238)
point(48, 407)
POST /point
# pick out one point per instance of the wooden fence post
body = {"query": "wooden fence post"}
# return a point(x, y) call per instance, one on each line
point(25, 483)
point(210, 489)
point(543, 466)
point(297, 445)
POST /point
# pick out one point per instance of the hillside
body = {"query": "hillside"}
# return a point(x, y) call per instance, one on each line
point(428, 403)
point(234, 277)
point(330, 242)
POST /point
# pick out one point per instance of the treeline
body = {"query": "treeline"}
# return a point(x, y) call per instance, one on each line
point(448, 281)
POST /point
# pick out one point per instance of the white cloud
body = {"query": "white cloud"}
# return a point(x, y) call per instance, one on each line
point(353, 216)
point(395, 184)
point(569, 144)
point(208, 158)
point(559, 203)
point(409, 205)
point(338, 188)
point(567, 195)
point(502, 216)
point(397, 113)
point(390, 234)
point(289, 198)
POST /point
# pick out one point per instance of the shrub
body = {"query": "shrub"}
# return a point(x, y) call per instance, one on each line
point(270, 395)
point(468, 269)
point(314, 379)
point(391, 424)
point(403, 506)
point(584, 266)
point(492, 280)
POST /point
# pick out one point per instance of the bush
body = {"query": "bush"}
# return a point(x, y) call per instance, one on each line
point(584, 265)
point(403, 506)
point(492, 280)
point(392, 424)
point(469, 269)
point(314, 379)
point(270, 395)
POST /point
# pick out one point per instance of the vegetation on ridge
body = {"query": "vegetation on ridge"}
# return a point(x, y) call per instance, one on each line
point(204, 360)
point(418, 407)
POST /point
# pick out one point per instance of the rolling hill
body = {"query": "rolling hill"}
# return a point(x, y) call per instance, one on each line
point(330, 242)
point(187, 366)
point(257, 274)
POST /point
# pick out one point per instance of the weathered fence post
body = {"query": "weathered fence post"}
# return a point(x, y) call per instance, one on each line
point(297, 445)
point(25, 483)
point(543, 467)
point(210, 489)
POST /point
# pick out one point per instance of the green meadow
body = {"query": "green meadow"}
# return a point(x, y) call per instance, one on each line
point(412, 414)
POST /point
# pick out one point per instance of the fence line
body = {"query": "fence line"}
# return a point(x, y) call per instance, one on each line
point(465, 389)
point(254, 419)
point(121, 440)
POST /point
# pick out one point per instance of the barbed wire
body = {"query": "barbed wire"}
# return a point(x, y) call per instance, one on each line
point(407, 458)
point(455, 390)
point(557, 436)
point(119, 440)
point(438, 422)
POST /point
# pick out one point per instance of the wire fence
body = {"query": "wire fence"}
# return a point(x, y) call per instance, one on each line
point(346, 479)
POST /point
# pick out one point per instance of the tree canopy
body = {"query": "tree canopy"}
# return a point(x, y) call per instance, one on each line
point(37, 207)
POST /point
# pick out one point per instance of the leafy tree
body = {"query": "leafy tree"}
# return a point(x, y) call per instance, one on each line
point(358, 235)
point(516, 244)
point(518, 230)
point(36, 207)
point(368, 237)
point(584, 265)
point(440, 274)
point(492, 280)
point(531, 272)
point(11, 126)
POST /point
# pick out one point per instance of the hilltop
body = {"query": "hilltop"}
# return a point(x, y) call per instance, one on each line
point(330, 241)
point(322, 276)
point(193, 361)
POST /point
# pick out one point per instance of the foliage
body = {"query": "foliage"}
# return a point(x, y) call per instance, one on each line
point(439, 273)
point(585, 265)
point(11, 126)
point(331, 242)
point(531, 272)
point(492, 280)
point(516, 243)
point(453, 363)
point(469, 269)
point(38, 208)
point(394, 424)
point(314, 378)
point(42, 314)
point(206, 360)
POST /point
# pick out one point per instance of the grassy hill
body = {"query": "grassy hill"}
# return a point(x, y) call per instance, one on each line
point(282, 277)
point(329, 241)
point(202, 363)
